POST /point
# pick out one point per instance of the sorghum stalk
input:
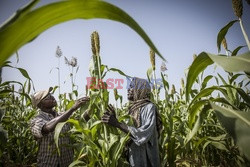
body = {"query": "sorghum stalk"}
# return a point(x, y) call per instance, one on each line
point(244, 33)
point(152, 60)
point(95, 43)
point(59, 55)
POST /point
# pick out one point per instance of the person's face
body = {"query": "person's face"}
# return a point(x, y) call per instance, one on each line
point(130, 93)
point(49, 101)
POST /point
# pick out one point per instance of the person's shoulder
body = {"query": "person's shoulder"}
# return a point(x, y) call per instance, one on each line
point(150, 105)
point(39, 115)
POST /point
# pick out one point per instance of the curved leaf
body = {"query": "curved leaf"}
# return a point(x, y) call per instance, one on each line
point(235, 51)
point(233, 63)
point(58, 129)
point(194, 130)
point(32, 23)
point(119, 71)
point(205, 81)
point(221, 35)
point(76, 162)
point(198, 65)
point(194, 110)
point(237, 124)
point(234, 77)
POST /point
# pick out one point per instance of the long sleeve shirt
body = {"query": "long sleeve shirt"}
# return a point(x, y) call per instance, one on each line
point(47, 152)
point(144, 150)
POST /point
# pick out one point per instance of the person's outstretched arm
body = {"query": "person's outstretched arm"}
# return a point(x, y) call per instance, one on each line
point(51, 125)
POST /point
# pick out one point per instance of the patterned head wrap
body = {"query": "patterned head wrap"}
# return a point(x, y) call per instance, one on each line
point(141, 93)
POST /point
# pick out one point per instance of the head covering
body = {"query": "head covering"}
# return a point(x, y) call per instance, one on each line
point(141, 88)
point(141, 97)
point(37, 97)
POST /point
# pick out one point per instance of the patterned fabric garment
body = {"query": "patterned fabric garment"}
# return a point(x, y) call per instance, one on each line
point(47, 153)
point(141, 93)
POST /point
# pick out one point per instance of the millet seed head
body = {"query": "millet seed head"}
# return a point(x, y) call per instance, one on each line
point(237, 7)
point(182, 83)
point(95, 42)
point(173, 91)
point(224, 43)
point(152, 58)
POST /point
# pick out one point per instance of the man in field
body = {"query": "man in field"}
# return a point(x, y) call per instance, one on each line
point(143, 148)
point(43, 126)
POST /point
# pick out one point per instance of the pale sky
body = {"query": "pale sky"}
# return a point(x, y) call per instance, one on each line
point(178, 29)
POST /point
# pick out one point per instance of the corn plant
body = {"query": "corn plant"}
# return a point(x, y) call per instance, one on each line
point(97, 144)
point(19, 145)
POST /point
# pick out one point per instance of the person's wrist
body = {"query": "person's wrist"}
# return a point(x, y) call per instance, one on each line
point(118, 124)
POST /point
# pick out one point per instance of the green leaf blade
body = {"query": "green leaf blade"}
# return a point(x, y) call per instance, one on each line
point(199, 65)
point(33, 23)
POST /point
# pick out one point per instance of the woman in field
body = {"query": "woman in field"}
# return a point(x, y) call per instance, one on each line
point(143, 148)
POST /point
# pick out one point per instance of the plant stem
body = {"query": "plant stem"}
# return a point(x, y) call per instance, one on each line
point(59, 76)
point(102, 106)
point(71, 76)
point(155, 87)
point(244, 33)
point(59, 85)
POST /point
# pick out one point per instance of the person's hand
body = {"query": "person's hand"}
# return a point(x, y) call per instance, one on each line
point(109, 116)
point(80, 102)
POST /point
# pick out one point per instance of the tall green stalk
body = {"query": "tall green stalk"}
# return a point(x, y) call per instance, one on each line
point(59, 55)
point(244, 33)
point(95, 42)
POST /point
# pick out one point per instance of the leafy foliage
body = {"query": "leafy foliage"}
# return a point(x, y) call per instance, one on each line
point(203, 125)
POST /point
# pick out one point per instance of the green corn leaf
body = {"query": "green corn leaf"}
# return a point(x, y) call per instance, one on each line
point(198, 65)
point(233, 63)
point(234, 77)
point(235, 51)
point(206, 92)
point(58, 129)
point(237, 124)
point(120, 147)
point(244, 95)
point(205, 81)
point(194, 110)
point(76, 124)
point(219, 145)
point(200, 141)
point(194, 130)
point(165, 83)
point(149, 73)
point(119, 71)
point(221, 35)
point(76, 162)
point(10, 82)
point(218, 138)
point(32, 23)
point(205, 145)
point(22, 71)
